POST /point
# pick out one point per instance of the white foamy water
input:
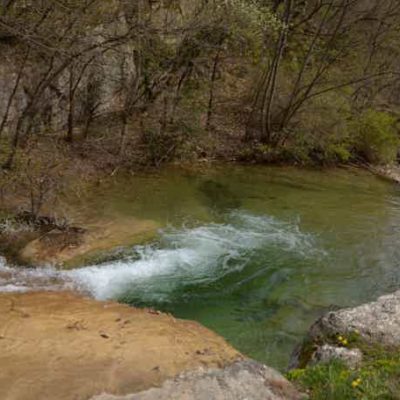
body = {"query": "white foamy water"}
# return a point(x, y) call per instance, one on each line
point(186, 256)
point(20, 279)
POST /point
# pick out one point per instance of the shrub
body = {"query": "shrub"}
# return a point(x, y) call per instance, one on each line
point(375, 137)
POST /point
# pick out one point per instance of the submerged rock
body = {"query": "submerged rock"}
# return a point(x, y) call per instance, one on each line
point(74, 248)
point(56, 345)
point(239, 381)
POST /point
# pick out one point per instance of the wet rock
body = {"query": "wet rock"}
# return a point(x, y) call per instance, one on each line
point(390, 172)
point(74, 247)
point(242, 380)
point(326, 353)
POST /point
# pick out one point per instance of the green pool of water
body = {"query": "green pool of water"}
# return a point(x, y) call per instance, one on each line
point(254, 253)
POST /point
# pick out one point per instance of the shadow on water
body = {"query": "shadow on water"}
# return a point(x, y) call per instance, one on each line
point(218, 196)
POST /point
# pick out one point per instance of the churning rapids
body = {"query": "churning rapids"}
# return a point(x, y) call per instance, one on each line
point(182, 257)
point(254, 253)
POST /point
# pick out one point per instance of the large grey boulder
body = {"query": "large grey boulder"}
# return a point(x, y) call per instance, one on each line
point(375, 322)
point(243, 380)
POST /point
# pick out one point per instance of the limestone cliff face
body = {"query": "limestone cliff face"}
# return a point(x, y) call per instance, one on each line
point(98, 91)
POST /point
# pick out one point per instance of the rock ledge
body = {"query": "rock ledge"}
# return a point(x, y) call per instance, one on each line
point(57, 345)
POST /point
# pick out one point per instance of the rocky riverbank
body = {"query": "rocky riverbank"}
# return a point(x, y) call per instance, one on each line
point(60, 345)
point(390, 172)
point(376, 323)
point(56, 345)
point(352, 353)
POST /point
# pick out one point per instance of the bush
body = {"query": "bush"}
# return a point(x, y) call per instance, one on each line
point(376, 377)
point(375, 137)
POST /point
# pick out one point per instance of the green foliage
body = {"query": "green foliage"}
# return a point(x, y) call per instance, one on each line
point(307, 150)
point(173, 143)
point(219, 59)
point(249, 23)
point(377, 378)
point(329, 382)
point(338, 152)
point(375, 136)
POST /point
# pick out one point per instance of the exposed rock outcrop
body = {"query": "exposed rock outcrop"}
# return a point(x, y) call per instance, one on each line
point(239, 381)
point(374, 324)
point(56, 345)
point(326, 353)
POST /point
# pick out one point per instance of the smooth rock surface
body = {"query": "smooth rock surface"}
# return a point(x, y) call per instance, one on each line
point(59, 346)
point(244, 380)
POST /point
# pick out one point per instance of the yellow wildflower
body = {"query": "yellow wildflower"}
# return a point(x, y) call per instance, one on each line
point(357, 382)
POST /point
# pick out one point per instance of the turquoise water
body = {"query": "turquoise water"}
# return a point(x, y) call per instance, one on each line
point(254, 253)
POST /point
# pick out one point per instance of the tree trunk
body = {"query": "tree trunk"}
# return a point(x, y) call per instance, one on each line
point(266, 134)
point(13, 93)
point(15, 141)
point(212, 87)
